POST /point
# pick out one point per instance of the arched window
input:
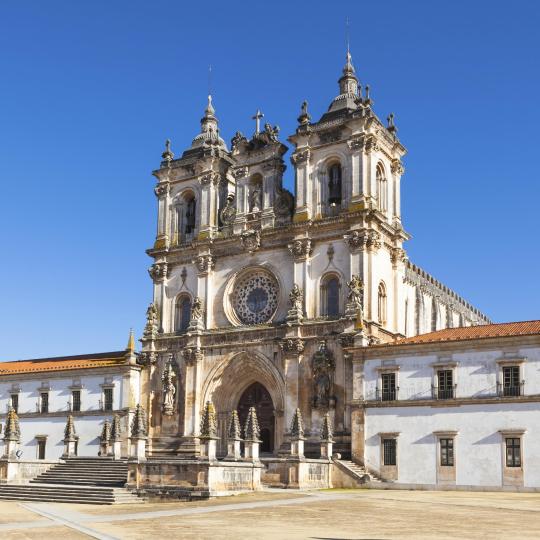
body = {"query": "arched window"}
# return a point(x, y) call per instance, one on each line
point(334, 185)
point(185, 218)
point(182, 313)
point(330, 297)
point(382, 188)
point(382, 303)
point(190, 213)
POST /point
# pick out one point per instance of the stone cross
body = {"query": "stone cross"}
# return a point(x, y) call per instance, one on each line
point(257, 118)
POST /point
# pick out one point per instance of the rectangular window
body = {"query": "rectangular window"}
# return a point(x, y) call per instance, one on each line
point(511, 382)
point(15, 402)
point(445, 380)
point(389, 452)
point(388, 381)
point(44, 402)
point(513, 452)
point(447, 452)
point(108, 399)
point(41, 448)
point(76, 400)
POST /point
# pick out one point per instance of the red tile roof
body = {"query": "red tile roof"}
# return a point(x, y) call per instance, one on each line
point(85, 361)
point(521, 328)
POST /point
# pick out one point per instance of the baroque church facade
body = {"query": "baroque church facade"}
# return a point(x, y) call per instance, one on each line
point(264, 298)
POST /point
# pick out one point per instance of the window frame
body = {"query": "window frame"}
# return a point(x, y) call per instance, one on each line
point(73, 401)
point(382, 303)
point(178, 314)
point(324, 304)
point(44, 402)
point(512, 390)
point(444, 366)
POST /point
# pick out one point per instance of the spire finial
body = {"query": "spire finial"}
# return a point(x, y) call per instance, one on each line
point(167, 154)
point(347, 34)
point(131, 341)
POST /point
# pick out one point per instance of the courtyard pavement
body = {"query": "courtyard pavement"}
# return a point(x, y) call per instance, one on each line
point(319, 515)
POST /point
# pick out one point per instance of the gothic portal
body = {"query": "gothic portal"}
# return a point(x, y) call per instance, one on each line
point(264, 298)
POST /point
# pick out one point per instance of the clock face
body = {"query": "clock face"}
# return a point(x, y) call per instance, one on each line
point(255, 297)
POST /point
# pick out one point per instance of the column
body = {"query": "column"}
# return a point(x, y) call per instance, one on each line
point(208, 204)
point(304, 201)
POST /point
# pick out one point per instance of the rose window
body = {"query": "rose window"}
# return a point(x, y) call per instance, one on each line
point(255, 297)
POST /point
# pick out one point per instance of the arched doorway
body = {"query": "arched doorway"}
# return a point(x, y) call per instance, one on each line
point(256, 395)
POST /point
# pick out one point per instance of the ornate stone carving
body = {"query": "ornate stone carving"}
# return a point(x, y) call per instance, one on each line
point(373, 340)
point(192, 355)
point(205, 263)
point(371, 144)
point(240, 172)
point(167, 155)
point(105, 435)
point(356, 143)
point(228, 212)
point(326, 429)
point(251, 240)
point(151, 327)
point(304, 117)
point(355, 299)
point(346, 340)
point(162, 189)
point(270, 134)
point(12, 430)
point(252, 432)
point(197, 311)
point(139, 424)
point(323, 367)
point(297, 426)
point(116, 429)
point(210, 177)
point(234, 433)
point(356, 240)
point(296, 303)
point(397, 255)
point(374, 240)
point(69, 430)
point(290, 345)
point(255, 297)
point(397, 167)
point(158, 271)
point(169, 386)
point(330, 136)
point(300, 156)
point(283, 204)
point(146, 358)
point(238, 140)
point(301, 248)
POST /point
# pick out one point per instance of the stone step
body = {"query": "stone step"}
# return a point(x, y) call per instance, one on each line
point(56, 493)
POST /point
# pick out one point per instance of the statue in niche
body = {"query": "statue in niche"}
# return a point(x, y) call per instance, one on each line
point(323, 378)
point(169, 387)
point(255, 199)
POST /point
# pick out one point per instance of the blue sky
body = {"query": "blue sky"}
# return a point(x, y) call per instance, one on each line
point(90, 90)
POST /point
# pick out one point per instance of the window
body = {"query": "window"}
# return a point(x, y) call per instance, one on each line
point(108, 399)
point(15, 402)
point(334, 185)
point(382, 188)
point(76, 400)
point(255, 201)
point(388, 381)
point(445, 384)
point(41, 448)
point(382, 303)
point(513, 452)
point(511, 381)
point(389, 452)
point(330, 297)
point(182, 314)
point(189, 227)
point(447, 452)
point(44, 402)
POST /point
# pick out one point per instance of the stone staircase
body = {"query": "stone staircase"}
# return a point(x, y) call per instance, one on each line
point(77, 480)
point(357, 472)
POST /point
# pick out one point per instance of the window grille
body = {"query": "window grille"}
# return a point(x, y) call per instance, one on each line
point(388, 386)
point(511, 382)
point(76, 400)
point(108, 397)
point(513, 452)
point(447, 452)
point(44, 402)
point(15, 402)
point(445, 380)
point(389, 452)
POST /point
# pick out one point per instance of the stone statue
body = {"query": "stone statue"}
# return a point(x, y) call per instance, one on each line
point(296, 302)
point(169, 388)
point(323, 377)
point(255, 202)
point(355, 300)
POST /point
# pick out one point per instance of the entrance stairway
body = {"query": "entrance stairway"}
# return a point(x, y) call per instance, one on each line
point(357, 472)
point(77, 480)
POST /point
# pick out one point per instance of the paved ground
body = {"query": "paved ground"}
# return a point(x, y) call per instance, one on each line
point(323, 515)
